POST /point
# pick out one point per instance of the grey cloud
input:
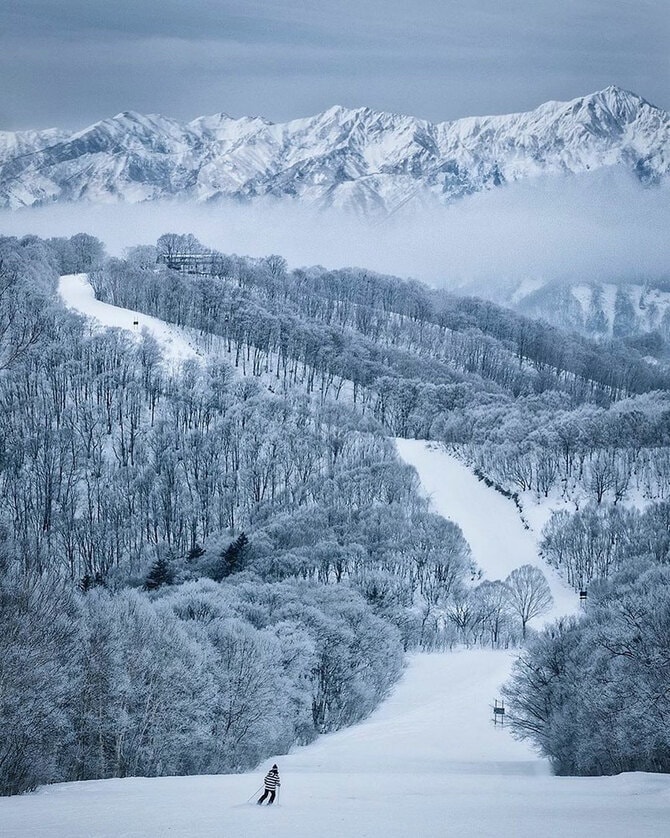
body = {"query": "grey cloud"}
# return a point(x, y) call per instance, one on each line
point(69, 62)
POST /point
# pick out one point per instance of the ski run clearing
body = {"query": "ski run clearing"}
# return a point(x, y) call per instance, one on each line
point(489, 521)
point(175, 344)
point(427, 764)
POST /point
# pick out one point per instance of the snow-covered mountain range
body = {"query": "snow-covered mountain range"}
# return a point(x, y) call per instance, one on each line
point(361, 159)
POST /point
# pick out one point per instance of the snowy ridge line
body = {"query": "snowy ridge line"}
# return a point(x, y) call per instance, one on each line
point(360, 159)
point(177, 343)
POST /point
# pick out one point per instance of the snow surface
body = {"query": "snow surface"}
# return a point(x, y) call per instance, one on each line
point(489, 521)
point(428, 763)
point(175, 343)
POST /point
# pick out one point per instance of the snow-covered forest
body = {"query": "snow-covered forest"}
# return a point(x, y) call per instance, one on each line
point(206, 560)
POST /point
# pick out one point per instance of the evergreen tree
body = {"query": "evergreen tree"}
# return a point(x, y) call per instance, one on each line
point(232, 559)
point(161, 573)
point(195, 553)
point(91, 580)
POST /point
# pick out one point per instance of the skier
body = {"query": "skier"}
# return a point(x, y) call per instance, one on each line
point(271, 784)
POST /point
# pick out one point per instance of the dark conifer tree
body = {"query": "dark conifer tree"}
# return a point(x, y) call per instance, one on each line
point(233, 558)
point(91, 580)
point(161, 573)
point(195, 553)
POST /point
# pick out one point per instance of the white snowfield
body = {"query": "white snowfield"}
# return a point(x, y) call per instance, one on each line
point(489, 521)
point(78, 294)
point(427, 764)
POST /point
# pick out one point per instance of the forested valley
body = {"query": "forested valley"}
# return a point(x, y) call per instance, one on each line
point(203, 564)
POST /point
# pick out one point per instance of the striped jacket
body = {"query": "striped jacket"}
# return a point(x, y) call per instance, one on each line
point(272, 780)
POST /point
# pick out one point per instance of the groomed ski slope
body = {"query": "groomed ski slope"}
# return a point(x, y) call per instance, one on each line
point(77, 293)
point(427, 764)
point(489, 521)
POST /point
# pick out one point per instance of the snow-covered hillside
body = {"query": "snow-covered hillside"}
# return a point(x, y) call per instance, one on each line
point(598, 309)
point(499, 541)
point(354, 158)
point(427, 763)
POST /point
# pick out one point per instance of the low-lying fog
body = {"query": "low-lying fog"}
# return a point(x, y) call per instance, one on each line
point(603, 226)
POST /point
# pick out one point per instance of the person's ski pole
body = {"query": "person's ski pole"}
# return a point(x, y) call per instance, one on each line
point(255, 793)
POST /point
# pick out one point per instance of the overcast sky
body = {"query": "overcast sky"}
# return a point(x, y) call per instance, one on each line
point(68, 63)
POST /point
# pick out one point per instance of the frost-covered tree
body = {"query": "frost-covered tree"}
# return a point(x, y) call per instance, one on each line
point(529, 594)
point(589, 543)
point(494, 612)
point(40, 677)
point(592, 693)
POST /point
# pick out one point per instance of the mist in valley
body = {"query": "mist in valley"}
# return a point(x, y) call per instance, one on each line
point(603, 226)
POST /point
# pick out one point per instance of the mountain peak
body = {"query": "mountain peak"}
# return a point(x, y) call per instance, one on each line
point(614, 93)
point(615, 90)
point(354, 157)
point(129, 116)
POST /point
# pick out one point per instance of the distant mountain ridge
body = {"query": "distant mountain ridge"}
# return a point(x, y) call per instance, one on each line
point(359, 159)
